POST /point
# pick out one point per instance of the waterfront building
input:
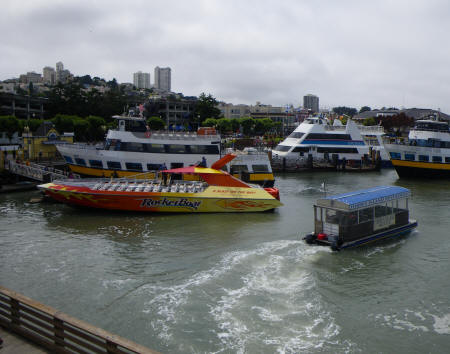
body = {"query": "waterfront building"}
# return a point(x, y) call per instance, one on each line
point(163, 77)
point(49, 75)
point(232, 111)
point(175, 111)
point(22, 106)
point(141, 80)
point(311, 102)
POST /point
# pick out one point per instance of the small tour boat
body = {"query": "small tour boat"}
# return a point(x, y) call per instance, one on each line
point(359, 217)
point(210, 190)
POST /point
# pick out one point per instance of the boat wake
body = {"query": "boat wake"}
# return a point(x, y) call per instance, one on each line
point(251, 301)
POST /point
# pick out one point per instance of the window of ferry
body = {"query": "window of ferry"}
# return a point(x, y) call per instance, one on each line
point(301, 149)
point(133, 166)
point(175, 149)
point(155, 148)
point(153, 166)
point(134, 147)
point(447, 159)
point(365, 215)
point(424, 158)
point(114, 165)
point(80, 161)
point(296, 135)
point(282, 148)
point(238, 168)
point(203, 149)
point(396, 155)
point(410, 157)
point(68, 159)
point(437, 159)
point(96, 163)
point(260, 168)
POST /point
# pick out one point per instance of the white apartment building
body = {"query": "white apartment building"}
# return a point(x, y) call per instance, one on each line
point(141, 80)
point(163, 78)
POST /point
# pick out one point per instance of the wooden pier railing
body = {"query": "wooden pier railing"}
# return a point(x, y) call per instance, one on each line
point(57, 331)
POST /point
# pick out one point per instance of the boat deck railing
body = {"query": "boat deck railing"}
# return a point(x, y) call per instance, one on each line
point(37, 172)
point(147, 186)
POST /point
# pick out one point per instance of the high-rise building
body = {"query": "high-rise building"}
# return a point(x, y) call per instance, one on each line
point(141, 80)
point(49, 75)
point(311, 102)
point(61, 74)
point(163, 79)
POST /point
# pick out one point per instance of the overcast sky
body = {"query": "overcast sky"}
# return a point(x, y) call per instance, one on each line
point(353, 53)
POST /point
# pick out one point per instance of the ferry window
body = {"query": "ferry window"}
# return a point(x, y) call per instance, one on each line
point(133, 166)
point(296, 135)
point(410, 157)
point(134, 147)
point(332, 216)
point(447, 159)
point(395, 155)
point(282, 148)
point(68, 159)
point(156, 148)
point(260, 168)
point(203, 149)
point(337, 150)
point(301, 149)
point(135, 125)
point(382, 210)
point(96, 163)
point(319, 136)
point(238, 168)
point(424, 158)
point(365, 215)
point(114, 165)
point(153, 166)
point(175, 149)
point(80, 161)
point(437, 158)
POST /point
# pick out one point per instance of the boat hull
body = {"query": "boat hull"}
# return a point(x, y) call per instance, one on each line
point(416, 169)
point(386, 234)
point(212, 200)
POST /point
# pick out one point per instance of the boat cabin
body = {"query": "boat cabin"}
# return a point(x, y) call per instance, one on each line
point(357, 215)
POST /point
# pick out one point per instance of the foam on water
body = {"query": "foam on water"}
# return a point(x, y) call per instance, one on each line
point(250, 299)
point(410, 320)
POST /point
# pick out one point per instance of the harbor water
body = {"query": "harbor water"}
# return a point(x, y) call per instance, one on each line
point(239, 283)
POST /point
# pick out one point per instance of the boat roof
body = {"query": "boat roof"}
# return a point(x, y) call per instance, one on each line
point(364, 198)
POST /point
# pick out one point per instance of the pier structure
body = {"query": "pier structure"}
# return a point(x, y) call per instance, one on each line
point(36, 171)
point(55, 331)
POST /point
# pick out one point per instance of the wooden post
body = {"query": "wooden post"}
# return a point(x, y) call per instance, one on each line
point(15, 312)
point(58, 329)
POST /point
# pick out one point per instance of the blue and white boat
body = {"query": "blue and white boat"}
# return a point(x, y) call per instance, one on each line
point(314, 140)
point(359, 217)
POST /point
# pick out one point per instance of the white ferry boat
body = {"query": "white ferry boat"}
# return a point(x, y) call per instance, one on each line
point(426, 152)
point(316, 140)
point(133, 149)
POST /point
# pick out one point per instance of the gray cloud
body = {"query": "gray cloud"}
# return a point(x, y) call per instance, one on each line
point(355, 53)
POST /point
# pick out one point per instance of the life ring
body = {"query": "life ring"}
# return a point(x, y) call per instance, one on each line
point(148, 134)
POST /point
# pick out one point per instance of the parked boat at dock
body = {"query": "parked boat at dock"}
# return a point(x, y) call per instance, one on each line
point(132, 148)
point(356, 218)
point(426, 152)
point(210, 190)
point(316, 144)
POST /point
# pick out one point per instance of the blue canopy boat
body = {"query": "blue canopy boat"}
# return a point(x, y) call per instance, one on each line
point(356, 218)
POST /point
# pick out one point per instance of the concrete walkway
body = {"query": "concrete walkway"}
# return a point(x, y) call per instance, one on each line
point(14, 344)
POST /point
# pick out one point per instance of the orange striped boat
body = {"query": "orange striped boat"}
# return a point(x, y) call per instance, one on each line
point(210, 190)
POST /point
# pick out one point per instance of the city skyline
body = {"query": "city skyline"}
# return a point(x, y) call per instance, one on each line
point(378, 54)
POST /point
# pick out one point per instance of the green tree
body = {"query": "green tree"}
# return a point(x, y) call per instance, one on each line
point(263, 126)
point(156, 123)
point(81, 129)
point(247, 124)
point(33, 124)
point(209, 122)
point(370, 121)
point(64, 122)
point(365, 109)
point(235, 124)
point(9, 125)
point(206, 107)
point(224, 125)
point(345, 110)
point(96, 128)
